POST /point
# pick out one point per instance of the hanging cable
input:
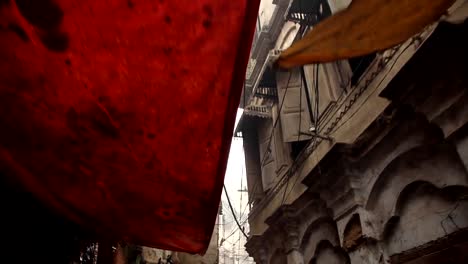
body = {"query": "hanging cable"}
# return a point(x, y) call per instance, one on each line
point(298, 130)
point(262, 163)
point(233, 213)
point(275, 189)
point(314, 136)
point(309, 104)
point(242, 190)
point(302, 31)
point(245, 95)
point(382, 65)
point(254, 189)
point(277, 119)
point(234, 231)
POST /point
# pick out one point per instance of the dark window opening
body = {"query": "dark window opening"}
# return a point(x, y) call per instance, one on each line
point(309, 12)
point(268, 78)
point(267, 85)
point(359, 66)
point(297, 147)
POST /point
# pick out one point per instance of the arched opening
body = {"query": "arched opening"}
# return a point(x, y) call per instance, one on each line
point(428, 219)
point(323, 229)
point(288, 37)
point(436, 164)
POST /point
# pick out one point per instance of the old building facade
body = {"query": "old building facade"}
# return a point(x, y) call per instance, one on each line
point(362, 160)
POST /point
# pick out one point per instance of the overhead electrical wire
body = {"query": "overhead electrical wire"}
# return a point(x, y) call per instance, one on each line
point(314, 138)
point(233, 212)
point(236, 229)
point(262, 163)
point(383, 78)
point(316, 121)
point(274, 126)
point(316, 106)
point(298, 130)
point(230, 235)
point(313, 116)
point(241, 190)
point(273, 129)
point(316, 86)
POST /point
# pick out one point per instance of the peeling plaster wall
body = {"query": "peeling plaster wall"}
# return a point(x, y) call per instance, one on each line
point(427, 214)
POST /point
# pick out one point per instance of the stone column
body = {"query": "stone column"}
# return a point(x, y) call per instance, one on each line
point(257, 248)
point(295, 257)
point(292, 243)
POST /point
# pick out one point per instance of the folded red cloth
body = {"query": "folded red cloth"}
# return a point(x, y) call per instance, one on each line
point(119, 113)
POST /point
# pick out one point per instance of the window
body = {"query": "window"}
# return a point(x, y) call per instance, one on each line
point(359, 66)
point(297, 147)
point(309, 12)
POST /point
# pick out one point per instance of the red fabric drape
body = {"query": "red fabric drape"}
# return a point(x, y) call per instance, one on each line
point(119, 113)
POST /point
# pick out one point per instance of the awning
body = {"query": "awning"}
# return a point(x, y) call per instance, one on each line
point(119, 113)
point(366, 26)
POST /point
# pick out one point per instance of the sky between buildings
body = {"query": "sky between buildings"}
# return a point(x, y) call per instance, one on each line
point(232, 250)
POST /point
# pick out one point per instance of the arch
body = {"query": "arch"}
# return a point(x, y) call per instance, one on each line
point(404, 195)
point(315, 212)
point(322, 229)
point(438, 165)
point(287, 35)
point(352, 235)
point(424, 213)
point(416, 188)
point(414, 131)
point(409, 190)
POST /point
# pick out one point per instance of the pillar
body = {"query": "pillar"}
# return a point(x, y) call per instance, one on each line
point(292, 243)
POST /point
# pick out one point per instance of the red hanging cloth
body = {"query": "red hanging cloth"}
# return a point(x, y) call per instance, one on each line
point(119, 113)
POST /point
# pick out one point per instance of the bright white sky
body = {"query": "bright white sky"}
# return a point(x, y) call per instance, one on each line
point(266, 11)
point(235, 180)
